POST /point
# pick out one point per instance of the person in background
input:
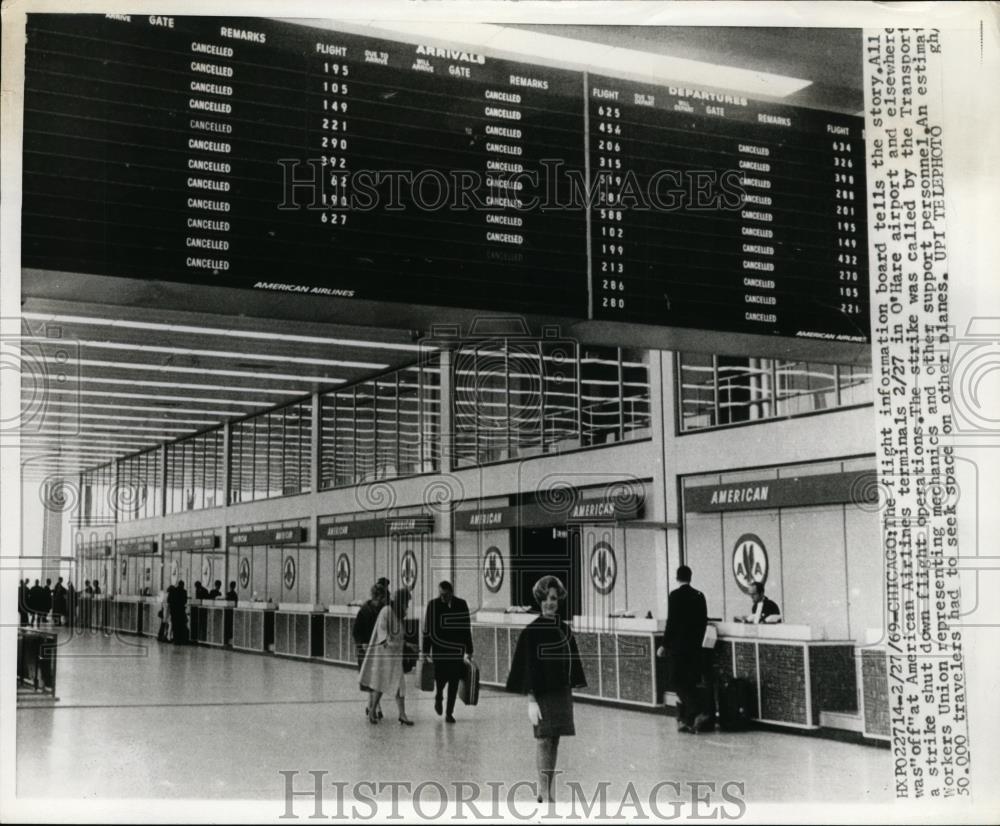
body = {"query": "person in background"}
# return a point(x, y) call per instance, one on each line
point(36, 598)
point(216, 591)
point(47, 600)
point(200, 591)
point(546, 666)
point(71, 604)
point(231, 595)
point(97, 588)
point(88, 589)
point(382, 669)
point(164, 634)
point(22, 601)
point(447, 642)
point(364, 625)
point(762, 609)
point(687, 618)
point(177, 605)
point(59, 602)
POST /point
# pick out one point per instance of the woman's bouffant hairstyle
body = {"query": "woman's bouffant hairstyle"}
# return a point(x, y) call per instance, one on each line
point(400, 602)
point(543, 585)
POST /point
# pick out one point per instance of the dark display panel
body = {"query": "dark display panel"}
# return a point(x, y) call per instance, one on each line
point(254, 153)
point(724, 213)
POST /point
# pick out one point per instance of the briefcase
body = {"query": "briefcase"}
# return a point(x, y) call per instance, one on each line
point(426, 675)
point(468, 686)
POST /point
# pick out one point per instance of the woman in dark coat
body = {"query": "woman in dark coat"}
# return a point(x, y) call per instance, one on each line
point(547, 667)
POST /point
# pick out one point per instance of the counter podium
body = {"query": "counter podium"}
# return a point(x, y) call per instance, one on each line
point(216, 622)
point(126, 613)
point(253, 626)
point(338, 641)
point(298, 629)
point(149, 615)
point(794, 673)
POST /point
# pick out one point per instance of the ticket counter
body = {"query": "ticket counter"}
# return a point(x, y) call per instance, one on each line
point(196, 620)
point(150, 617)
point(873, 665)
point(618, 654)
point(795, 675)
point(338, 642)
point(216, 617)
point(126, 612)
point(253, 626)
point(298, 629)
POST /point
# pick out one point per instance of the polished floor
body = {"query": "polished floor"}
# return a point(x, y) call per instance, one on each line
point(137, 719)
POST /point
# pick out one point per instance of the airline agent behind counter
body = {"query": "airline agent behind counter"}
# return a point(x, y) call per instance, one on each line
point(764, 610)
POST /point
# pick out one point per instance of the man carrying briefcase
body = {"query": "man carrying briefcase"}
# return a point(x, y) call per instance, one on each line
point(447, 643)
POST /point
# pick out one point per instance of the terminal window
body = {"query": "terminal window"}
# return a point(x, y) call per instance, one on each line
point(715, 390)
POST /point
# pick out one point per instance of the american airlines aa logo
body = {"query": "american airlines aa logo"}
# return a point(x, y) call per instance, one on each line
point(493, 569)
point(289, 575)
point(603, 567)
point(343, 572)
point(244, 573)
point(749, 561)
point(408, 570)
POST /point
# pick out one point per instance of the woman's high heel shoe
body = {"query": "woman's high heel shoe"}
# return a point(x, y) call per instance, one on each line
point(380, 714)
point(405, 721)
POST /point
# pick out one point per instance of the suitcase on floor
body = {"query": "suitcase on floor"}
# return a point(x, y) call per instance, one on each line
point(426, 675)
point(468, 686)
point(736, 706)
point(707, 706)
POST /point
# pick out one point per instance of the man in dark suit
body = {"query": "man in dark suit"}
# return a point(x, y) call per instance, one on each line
point(763, 609)
point(447, 643)
point(687, 618)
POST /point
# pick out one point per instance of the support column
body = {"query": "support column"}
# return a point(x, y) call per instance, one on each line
point(315, 444)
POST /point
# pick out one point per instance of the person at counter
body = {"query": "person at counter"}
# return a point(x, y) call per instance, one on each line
point(200, 591)
point(447, 642)
point(59, 602)
point(177, 606)
point(687, 618)
point(97, 588)
point(231, 595)
point(763, 609)
point(546, 666)
point(216, 591)
point(88, 589)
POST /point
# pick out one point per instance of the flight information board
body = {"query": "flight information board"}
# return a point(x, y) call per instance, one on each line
point(254, 153)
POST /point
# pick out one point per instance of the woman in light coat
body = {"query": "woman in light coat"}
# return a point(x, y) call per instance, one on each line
point(382, 669)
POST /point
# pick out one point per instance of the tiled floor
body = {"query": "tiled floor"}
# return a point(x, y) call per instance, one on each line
point(140, 719)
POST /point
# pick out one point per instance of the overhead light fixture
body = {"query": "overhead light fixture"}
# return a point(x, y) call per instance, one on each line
point(111, 394)
point(217, 331)
point(111, 418)
point(208, 371)
point(585, 55)
point(229, 354)
point(230, 388)
point(166, 411)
